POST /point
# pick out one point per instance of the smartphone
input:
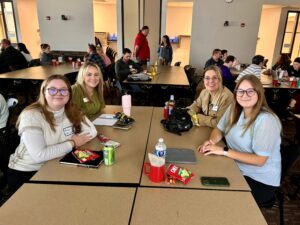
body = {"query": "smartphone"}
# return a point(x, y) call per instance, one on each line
point(215, 181)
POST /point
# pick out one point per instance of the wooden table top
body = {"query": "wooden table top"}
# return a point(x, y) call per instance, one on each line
point(39, 72)
point(129, 156)
point(36, 204)
point(218, 166)
point(200, 207)
point(167, 75)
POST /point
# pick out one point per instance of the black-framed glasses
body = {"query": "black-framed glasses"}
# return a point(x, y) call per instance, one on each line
point(211, 78)
point(240, 92)
point(54, 91)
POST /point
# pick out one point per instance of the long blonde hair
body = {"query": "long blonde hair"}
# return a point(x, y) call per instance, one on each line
point(260, 106)
point(74, 114)
point(80, 79)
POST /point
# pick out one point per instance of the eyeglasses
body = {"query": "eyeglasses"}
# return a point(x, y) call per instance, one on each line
point(53, 91)
point(240, 92)
point(211, 78)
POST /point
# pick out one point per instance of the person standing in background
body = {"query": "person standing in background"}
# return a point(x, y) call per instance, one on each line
point(165, 51)
point(22, 48)
point(141, 48)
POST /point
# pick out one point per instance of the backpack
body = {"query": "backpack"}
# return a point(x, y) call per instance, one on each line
point(179, 121)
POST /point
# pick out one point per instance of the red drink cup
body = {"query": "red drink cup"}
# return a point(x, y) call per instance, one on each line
point(156, 174)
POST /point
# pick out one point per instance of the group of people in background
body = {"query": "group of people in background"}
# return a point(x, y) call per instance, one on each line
point(236, 109)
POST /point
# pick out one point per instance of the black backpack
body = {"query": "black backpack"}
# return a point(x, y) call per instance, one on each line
point(178, 122)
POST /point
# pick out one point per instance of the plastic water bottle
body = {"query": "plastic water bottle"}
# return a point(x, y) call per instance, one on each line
point(160, 148)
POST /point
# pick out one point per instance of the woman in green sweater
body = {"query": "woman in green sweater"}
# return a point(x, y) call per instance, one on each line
point(88, 90)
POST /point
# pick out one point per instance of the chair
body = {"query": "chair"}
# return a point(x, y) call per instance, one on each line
point(289, 154)
point(177, 63)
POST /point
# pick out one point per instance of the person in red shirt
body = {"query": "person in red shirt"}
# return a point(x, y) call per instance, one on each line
point(141, 48)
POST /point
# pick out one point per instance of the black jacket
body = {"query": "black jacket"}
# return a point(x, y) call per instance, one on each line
point(122, 69)
point(12, 59)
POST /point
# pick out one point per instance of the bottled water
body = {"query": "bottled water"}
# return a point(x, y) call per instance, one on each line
point(160, 148)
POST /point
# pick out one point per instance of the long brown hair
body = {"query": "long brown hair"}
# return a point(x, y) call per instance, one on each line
point(74, 114)
point(80, 80)
point(260, 106)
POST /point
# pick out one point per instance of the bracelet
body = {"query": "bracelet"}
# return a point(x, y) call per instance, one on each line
point(74, 143)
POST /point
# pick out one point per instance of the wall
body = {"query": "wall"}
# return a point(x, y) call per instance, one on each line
point(105, 18)
point(179, 21)
point(268, 29)
point(208, 31)
point(70, 35)
point(131, 23)
point(29, 26)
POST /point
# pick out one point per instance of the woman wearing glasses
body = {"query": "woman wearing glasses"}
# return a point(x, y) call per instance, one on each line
point(252, 132)
point(49, 128)
point(212, 101)
point(88, 90)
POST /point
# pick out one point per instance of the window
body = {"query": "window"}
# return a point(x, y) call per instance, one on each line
point(291, 39)
point(7, 21)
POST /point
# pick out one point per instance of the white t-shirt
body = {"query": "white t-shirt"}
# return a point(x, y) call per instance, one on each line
point(3, 112)
point(39, 143)
point(27, 56)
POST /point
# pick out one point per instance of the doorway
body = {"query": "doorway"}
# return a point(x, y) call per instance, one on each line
point(179, 28)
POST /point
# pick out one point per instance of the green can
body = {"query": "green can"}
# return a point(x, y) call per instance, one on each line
point(109, 155)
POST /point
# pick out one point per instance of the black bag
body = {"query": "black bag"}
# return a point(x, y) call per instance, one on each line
point(179, 121)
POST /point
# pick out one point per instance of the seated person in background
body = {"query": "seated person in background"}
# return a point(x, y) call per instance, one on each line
point(165, 51)
point(125, 66)
point(3, 112)
point(88, 90)
point(103, 56)
point(294, 70)
point(94, 57)
point(49, 128)
point(22, 48)
point(224, 54)
point(253, 134)
point(215, 59)
point(254, 68)
point(10, 58)
point(228, 78)
point(283, 62)
point(213, 100)
point(46, 56)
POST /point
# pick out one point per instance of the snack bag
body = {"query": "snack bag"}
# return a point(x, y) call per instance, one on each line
point(179, 173)
point(84, 155)
point(107, 141)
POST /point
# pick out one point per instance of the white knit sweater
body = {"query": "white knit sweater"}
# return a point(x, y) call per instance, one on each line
point(39, 143)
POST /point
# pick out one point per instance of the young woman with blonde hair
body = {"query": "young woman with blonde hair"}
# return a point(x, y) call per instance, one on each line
point(88, 90)
point(253, 134)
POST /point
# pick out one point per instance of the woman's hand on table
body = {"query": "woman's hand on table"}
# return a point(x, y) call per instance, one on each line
point(204, 145)
point(212, 149)
point(81, 139)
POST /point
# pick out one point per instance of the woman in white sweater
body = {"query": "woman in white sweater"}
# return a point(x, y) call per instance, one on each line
point(49, 128)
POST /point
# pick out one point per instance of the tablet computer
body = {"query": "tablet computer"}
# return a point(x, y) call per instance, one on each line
point(180, 155)
point(70, 159)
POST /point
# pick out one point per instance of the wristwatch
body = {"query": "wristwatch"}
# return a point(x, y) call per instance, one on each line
point(225, 153)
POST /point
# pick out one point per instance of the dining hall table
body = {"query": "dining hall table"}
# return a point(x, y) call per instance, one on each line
point(39, 72)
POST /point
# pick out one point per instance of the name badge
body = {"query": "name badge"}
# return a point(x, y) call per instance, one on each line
point(68, 131)
point(215, 108)
point(85, 100)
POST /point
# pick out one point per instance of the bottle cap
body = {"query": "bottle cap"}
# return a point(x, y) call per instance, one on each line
point(161, 140)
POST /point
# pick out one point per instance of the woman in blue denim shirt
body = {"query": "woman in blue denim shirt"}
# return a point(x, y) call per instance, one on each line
point(165, 51)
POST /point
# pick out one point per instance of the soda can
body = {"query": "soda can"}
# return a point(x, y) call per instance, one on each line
point(109, 155)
